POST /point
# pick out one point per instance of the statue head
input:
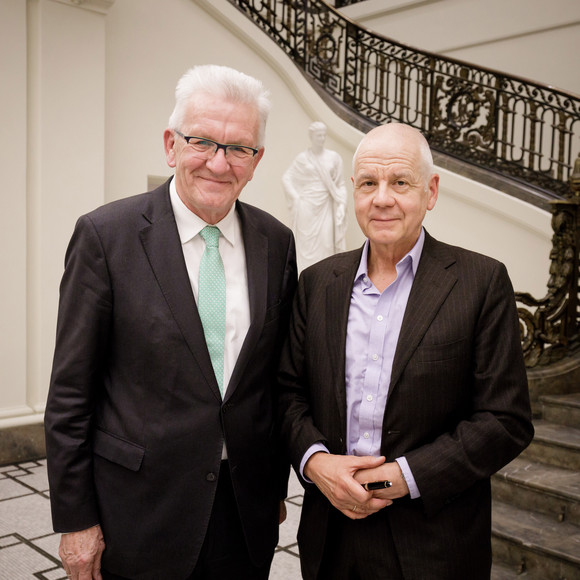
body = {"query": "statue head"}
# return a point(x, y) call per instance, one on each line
point(317, 132)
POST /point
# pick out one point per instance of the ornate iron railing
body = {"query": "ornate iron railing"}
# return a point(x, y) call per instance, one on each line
point(517, 128)
point(512, 126)
point(553, 330)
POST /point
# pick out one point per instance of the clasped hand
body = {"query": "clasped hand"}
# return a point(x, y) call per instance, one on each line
point(340, 479)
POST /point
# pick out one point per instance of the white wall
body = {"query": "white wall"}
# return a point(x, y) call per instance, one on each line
point(52, 152)
point(91, 90)
point(482, 219)
point(13, 205)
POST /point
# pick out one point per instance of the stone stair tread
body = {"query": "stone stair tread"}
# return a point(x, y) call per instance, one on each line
point(536, 532)
point(557, 434)
point(505, 572)
point(570, 400)
point(548, 479)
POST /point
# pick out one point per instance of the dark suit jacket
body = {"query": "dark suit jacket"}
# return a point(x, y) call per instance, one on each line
point(458, 406)
point(134, 420)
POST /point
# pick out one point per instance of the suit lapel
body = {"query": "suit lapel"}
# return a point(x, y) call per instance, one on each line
point(162, 245)
point(256, 250)
point(431, 286)
point(338, 293)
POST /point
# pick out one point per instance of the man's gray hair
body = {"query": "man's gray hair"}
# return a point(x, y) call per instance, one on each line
point(220, 82)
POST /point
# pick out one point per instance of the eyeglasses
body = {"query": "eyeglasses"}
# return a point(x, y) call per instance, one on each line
point(204, 148)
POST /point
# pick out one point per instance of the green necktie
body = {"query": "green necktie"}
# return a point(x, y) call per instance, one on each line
point(212, 300)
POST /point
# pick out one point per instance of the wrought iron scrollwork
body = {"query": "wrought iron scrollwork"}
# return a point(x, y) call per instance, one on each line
point(553, 329)
point(463, 118)
point(515, 127)
point(518, 128)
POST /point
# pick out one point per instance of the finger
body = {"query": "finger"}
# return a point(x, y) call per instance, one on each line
point(352, 513)
point(97, 562)
point(376, 504)
point(283, 512)
point(96, 569)
point(358, 494)
point(358, 511)
point(385, 494)
point(66, 567)
point(368, 461)
point(85, 574)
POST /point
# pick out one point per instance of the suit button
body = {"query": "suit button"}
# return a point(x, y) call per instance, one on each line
point(210, 477)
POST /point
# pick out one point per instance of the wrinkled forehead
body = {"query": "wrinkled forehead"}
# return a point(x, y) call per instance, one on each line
point(376, 153)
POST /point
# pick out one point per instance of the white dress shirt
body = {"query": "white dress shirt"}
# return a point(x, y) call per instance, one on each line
point(231, 247)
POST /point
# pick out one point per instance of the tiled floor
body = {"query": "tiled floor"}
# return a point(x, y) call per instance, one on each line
point(29, 548)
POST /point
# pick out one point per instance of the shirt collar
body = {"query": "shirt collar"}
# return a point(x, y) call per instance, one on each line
point(189, 224)
point(414, 255)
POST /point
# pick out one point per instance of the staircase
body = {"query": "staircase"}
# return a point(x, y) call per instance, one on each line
point(536, 499)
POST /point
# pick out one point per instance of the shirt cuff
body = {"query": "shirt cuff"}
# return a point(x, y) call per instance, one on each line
point(408, 475)
point(315, 448)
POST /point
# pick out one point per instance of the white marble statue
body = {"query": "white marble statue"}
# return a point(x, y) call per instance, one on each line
point(316, 194)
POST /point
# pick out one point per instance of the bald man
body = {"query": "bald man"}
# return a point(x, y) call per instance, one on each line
point(404, 387)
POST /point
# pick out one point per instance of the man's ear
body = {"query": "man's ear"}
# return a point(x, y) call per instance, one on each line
point(169, 144)
point(433, 191)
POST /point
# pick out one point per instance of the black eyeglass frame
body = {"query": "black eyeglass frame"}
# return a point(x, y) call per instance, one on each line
point(218, 145)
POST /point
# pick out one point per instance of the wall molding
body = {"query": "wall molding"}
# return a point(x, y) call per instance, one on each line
point(22, 443)
point(100, 6)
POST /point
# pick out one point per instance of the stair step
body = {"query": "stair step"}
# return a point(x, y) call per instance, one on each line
point(554, 444)
point(534, 543)
point(504, 572)
point(546, 489)
point(562, 409)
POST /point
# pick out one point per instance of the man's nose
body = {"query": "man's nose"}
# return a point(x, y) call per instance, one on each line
point(218, 161)
point(384, 195)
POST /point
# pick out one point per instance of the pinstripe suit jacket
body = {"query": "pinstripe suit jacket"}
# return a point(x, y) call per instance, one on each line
point(458, 405)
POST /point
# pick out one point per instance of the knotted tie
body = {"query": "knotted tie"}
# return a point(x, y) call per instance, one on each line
point(212, 300)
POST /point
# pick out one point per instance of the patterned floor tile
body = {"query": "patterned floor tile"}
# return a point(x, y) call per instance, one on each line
point(28, 516)
point(22, 562)
point(10, 489)
point(29, 548)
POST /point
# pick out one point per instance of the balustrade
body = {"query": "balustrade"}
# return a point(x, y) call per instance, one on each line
point(519, 129)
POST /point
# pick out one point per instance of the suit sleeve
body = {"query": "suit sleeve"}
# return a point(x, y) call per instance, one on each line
point(297, 424)
point(84, 316)
point(288, 290)
point(498, 425)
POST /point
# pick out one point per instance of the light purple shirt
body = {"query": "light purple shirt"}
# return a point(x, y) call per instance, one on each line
point(374, 324)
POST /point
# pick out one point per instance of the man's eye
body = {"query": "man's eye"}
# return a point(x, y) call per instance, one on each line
point(201, 143)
